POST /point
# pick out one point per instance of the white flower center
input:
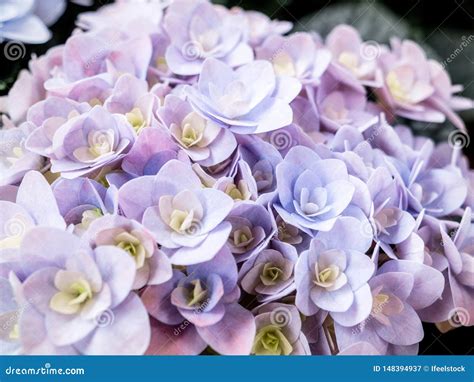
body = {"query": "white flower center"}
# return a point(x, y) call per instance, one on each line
point(132, 244)
point(349, 60)
point(74, 292)
point(283, 65)
point(136, 119)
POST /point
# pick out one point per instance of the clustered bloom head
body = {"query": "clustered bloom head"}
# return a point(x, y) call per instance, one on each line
point(189, 180)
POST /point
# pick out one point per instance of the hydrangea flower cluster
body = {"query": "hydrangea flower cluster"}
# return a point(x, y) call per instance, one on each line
point(189, 179)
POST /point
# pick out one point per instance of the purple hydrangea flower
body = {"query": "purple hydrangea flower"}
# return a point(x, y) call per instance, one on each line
point(457, 264)
point(295, 56)
point(186, 219)
point(203, 140)
point(28, 89)
point(131, 98)
point(85, 143)
point(312, 192)
point(340, 105)
point(249, 99)
point(82, 297)
point(123, 15)
point(202, 304)
point(398, 290)
point(260, 26)
point(262, 159)
point(83, 200)
point(407, 84)
point(444, 98)
point(279, 331)
point(92, 61)
point(391, 224)
point(199, 30)
point(15, 159)
point(434, 186)
point(45, 118)
point(241, 186)
point(270, 274)
point(252, 229)
point(332, 274)
point(153, 266)
point(152, 149)
point(354, 62)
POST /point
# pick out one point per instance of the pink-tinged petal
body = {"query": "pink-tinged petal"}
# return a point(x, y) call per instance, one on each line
point(127, 331)
point(157, 300)
point(204, 319)
point(181, 339)
point(234, 334)
point(24, 93)
point(150, 143)
point(359, 310)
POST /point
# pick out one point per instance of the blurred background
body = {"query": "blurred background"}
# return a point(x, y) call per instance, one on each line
point(445, 29)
